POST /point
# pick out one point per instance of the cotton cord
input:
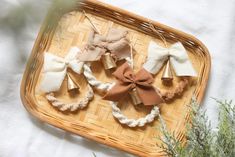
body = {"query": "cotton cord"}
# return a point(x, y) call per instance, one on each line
point(90, 21)
point(93, 81)
point(71, 106)
point(117, 113)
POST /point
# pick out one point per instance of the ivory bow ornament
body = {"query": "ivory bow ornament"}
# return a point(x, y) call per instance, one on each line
point(176, 55)
point(115, 43)
point(128, 81)
point(55, 69)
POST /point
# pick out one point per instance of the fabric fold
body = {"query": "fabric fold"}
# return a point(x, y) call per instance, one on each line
point(55, 69)
point(115, 43)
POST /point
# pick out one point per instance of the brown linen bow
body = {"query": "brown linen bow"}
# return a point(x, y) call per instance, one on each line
point(127, 81)
point(115, 42)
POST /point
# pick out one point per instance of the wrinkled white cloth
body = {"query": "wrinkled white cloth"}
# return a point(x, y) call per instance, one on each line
point(55, 69)
point(158, 55)
point(22, 135)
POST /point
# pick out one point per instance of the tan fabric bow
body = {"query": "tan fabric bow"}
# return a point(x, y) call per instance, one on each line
point(127, 80)
point(115, 42)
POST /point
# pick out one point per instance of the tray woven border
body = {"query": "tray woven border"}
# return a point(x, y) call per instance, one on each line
point(116, 15)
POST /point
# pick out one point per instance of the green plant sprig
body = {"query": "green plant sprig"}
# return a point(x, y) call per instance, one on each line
point(201, 139)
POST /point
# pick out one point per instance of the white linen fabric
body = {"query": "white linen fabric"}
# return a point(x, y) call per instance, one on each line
point(55, 69)
point(22, 135)
point(157, 56)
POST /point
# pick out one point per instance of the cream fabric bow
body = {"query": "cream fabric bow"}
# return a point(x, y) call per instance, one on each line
point(158, 55)
point(55, 69)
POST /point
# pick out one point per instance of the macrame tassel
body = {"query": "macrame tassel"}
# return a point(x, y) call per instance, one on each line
point(135, 97)
point(108, 61)
point(71, 84)
point(167, 73)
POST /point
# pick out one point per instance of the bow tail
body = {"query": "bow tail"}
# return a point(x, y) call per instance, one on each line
point(153, 66)
point(117, 92)
point(90, 54)
point(184, 68)
point(52, 81)
point(53, 63)
point(121, 49)
point(157, 55)
point(149, 96)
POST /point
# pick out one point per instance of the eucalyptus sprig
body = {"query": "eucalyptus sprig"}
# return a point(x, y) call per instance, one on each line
point(201, 139)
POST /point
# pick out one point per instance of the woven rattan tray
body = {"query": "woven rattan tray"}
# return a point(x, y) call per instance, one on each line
point(67, 27)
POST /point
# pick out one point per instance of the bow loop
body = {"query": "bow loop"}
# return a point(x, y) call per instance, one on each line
point(127, 80)
point(144, 78)
point(116, 34)
point(53, 63)
point(158, 55)
point(124, 74)
point(178, 52)
point(55, 68)
point(162, 52)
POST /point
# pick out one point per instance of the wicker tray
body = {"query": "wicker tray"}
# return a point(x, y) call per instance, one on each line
point(64, 28)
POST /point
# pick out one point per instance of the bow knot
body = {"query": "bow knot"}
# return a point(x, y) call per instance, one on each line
point(66, 62)
point(115, 43)
point(55, 69)
point(133, 85)
point(127, 80)
point(176, 54)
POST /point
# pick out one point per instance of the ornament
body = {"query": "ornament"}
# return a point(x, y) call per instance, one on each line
point(135, 96)
point(167, 72)
point(71, 84)
point(108, 61)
